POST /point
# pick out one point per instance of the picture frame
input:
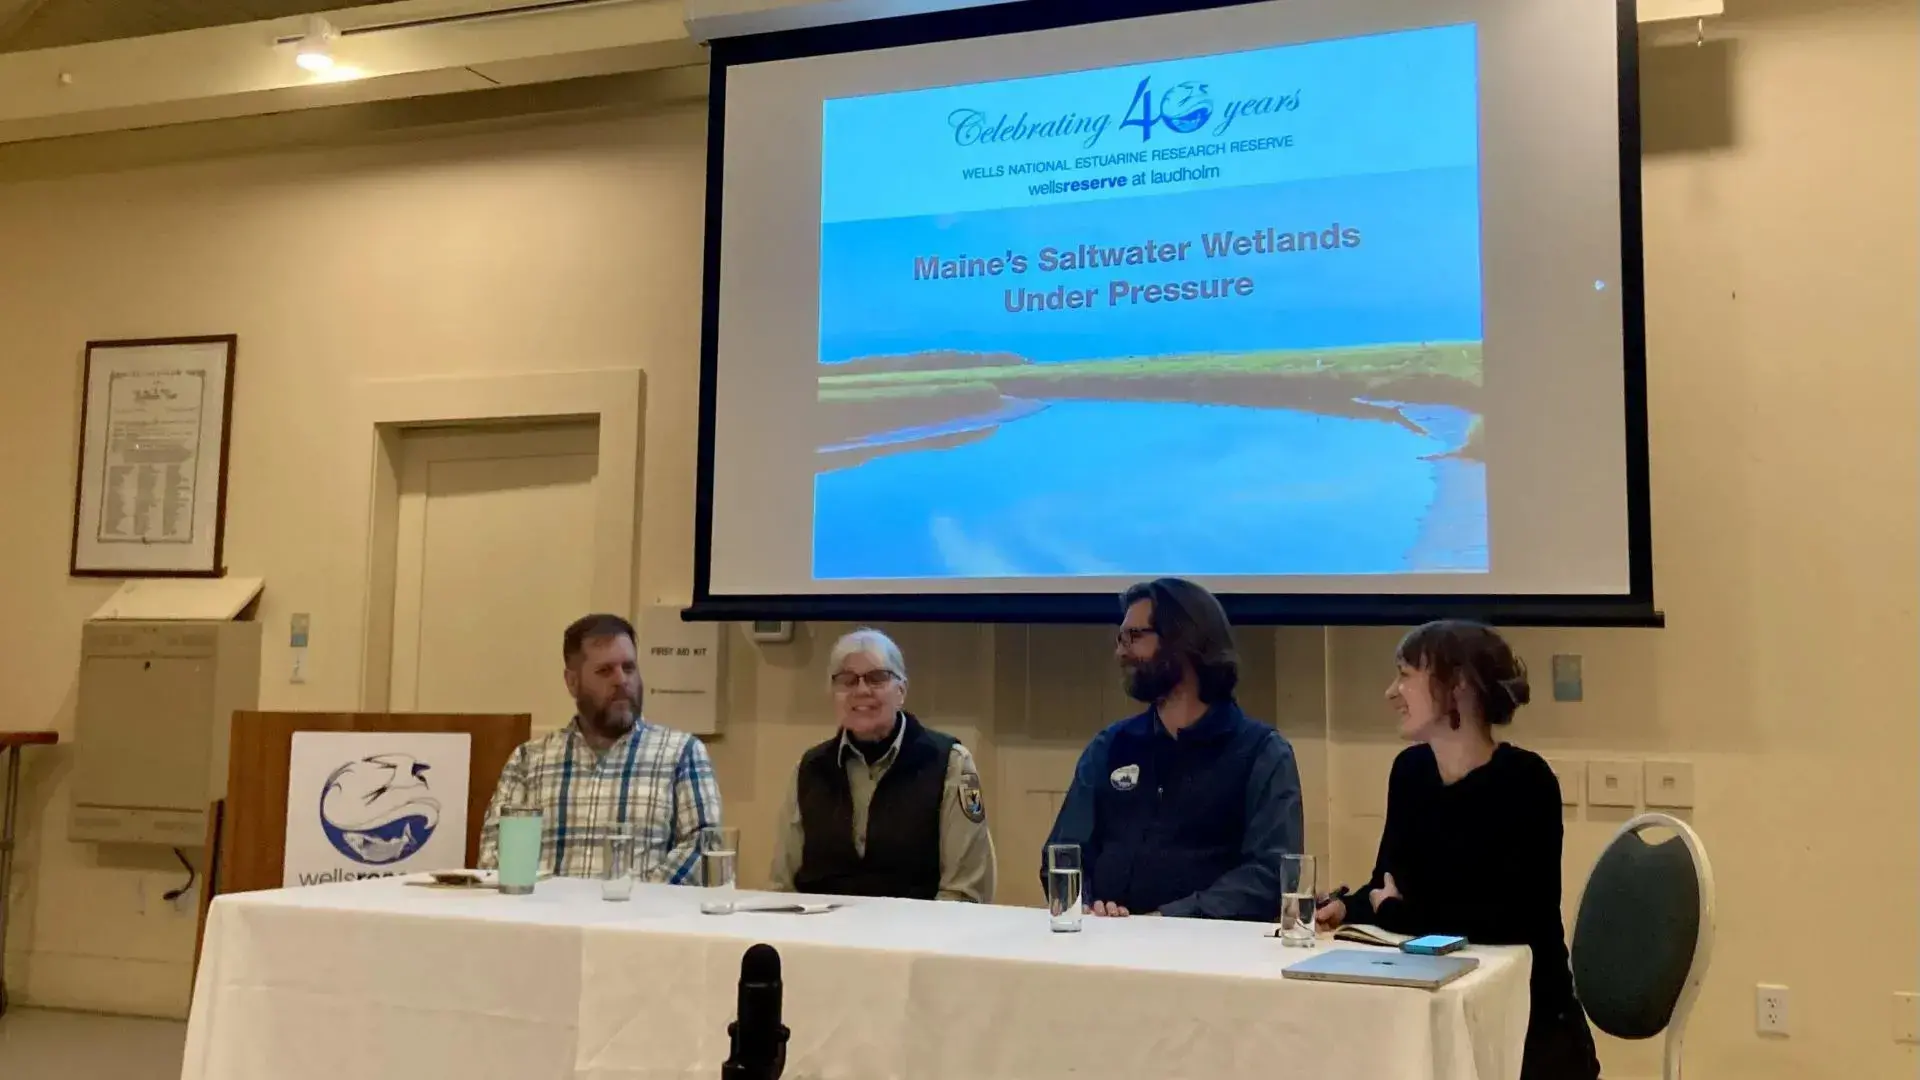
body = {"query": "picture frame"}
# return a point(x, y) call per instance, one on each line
point(150, 491)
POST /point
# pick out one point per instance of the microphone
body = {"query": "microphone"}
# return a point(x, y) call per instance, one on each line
point(759, 1039)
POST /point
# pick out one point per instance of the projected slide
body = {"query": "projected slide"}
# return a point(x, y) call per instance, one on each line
point(1212, 316)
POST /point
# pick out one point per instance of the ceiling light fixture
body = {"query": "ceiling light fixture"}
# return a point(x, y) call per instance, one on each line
point(313, 47)
point(314, 51)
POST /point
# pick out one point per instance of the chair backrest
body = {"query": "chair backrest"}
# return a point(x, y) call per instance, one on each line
point(1641, 939)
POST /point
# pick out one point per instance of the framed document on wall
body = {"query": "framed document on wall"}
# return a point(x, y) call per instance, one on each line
point(151, 498)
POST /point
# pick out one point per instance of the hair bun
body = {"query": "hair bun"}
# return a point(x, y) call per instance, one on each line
point(1518, 691)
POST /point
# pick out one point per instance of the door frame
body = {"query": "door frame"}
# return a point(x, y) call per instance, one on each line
point(387, 408)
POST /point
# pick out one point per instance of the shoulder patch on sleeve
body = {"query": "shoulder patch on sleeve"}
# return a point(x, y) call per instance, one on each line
point(973, 802)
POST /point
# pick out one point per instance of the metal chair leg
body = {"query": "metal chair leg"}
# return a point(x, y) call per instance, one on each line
point(1670, 1057)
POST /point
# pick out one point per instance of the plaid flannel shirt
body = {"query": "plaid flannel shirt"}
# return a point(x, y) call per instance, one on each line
point(654, 781)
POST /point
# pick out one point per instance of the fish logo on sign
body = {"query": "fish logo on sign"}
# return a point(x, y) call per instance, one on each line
point(378, 810)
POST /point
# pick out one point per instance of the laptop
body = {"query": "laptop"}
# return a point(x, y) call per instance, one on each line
point(1379, 967)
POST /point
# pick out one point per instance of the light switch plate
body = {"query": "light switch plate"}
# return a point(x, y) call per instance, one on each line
point(1613, 783)
point(1906, 1017)
point(1571, 779)
point(1670, 784)
point(1568, 684)
point(770, 631)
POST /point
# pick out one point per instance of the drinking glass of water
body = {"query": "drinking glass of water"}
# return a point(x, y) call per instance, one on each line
point(1298, 886)
point(1064, 888)
point(719, 860)
point(617, 880)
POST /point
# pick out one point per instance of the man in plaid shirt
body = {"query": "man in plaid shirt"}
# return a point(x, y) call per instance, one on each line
point(609, 771)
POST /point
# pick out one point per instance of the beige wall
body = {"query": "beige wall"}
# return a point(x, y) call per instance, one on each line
point(1782, 272)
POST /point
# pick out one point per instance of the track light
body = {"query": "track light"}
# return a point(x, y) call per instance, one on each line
point(314, 51)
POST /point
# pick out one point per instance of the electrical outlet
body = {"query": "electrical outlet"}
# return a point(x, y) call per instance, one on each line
point(1906, 1017)
point(1770, 1009)
point(1670, 785)
point(1613, 783)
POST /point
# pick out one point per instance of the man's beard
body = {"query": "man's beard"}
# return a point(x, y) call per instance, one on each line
point(1150, 681)
point(604, 719)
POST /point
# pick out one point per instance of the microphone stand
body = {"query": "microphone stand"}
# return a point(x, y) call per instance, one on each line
point(736, 1069)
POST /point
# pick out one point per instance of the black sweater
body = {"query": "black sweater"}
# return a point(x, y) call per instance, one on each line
point(1479, 858)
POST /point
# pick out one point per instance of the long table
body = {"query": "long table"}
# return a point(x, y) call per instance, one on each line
point(385, 979)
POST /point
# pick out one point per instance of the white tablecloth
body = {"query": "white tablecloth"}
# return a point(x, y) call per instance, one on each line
point(377, 980)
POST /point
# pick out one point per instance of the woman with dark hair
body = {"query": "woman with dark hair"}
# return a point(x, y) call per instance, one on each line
point(1472, 839)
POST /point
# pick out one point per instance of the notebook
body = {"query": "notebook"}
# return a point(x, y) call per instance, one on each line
point(1382, 968)
point(1366, 934)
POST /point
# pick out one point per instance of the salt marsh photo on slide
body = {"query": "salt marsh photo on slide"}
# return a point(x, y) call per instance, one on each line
point(1365, 460)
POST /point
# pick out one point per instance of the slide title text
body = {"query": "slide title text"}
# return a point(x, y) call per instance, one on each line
point(1148, 253)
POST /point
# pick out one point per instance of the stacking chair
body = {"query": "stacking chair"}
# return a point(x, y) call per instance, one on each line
point(1642, 937)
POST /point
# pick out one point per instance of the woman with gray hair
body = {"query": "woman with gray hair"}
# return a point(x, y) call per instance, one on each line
point(888, 806)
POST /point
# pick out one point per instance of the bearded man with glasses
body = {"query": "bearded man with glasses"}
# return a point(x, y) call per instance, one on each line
point(1187, 808)
point(888, 806)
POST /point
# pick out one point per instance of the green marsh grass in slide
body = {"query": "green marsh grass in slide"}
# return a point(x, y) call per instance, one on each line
point(874, 395)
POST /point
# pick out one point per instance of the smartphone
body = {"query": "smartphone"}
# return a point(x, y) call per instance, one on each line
point(1434, 945)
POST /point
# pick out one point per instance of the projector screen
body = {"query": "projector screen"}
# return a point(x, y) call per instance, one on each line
point(1334, 307)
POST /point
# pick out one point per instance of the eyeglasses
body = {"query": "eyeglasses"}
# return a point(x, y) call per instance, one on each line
point(876, 679)
point(1133, 635)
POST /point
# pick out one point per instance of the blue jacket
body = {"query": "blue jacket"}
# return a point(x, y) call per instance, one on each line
point(1193, 825)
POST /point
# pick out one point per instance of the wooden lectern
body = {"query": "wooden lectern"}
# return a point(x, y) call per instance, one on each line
point(247, 830)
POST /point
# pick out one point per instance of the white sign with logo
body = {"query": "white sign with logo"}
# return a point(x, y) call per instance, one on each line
point(375, 804)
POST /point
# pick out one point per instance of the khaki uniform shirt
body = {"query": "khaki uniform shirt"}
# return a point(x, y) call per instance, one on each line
point(966, 847)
